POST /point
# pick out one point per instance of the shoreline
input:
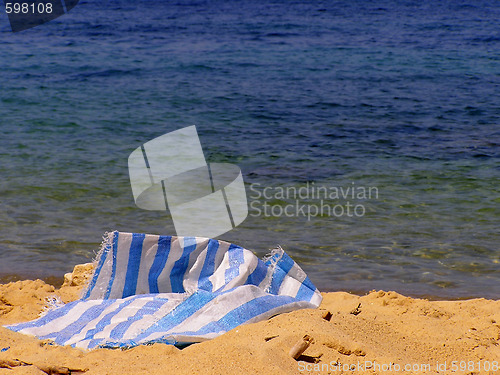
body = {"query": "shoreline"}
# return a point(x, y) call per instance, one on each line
point(58, 281)
point(348, 330)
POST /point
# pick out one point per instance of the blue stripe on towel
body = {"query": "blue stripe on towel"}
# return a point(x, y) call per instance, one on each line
point(159, 262)
point(181, 265)
point(208, 266)
point(258, 275)
point(134, 263)
point(236, 258)
point(283, 266)
point(306, 290)
point(63, 335)
point(55, 314)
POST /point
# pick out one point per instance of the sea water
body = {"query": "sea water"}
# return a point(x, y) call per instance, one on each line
point(342, 96)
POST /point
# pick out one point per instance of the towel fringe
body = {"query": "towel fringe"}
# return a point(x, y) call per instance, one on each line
point(51, 303)
point(272, 259)
point(107, 242)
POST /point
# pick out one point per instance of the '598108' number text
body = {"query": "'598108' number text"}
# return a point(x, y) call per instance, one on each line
point(27, 8)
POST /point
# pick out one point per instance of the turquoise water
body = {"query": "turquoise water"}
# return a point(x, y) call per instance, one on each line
point(398, 96)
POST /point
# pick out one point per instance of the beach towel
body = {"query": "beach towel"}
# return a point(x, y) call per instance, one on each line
point(175, 290)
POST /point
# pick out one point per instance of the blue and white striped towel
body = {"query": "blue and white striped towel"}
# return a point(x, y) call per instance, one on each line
point(176, 290)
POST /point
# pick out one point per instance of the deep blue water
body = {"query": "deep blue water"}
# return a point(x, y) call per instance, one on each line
point(398, 95)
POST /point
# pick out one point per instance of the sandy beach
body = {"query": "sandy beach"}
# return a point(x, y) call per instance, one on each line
point(381, 332)
point(238, 158)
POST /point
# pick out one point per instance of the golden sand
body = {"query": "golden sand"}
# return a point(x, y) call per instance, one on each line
point(381, 333)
